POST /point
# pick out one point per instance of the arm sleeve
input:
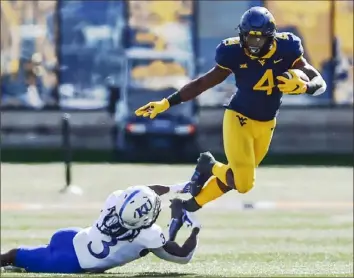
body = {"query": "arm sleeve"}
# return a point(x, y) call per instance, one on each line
point(164, 255)
point(172, 252)
point(221, 58)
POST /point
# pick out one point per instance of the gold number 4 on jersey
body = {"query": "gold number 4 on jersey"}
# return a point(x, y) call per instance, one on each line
point(266, 83)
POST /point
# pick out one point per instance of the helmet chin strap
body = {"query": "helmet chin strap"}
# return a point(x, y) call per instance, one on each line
point(259, 54)
point(254, 50)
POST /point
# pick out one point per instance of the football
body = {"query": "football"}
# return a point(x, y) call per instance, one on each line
point(298, 72)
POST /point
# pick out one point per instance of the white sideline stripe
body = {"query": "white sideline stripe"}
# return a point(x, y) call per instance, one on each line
point(261, 205)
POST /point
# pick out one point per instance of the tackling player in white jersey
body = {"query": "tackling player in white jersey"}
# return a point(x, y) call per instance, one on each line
point(125, 231)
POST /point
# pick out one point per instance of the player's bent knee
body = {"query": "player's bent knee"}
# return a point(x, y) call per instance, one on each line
point(245, 185)
point(244, 189)
point(245, 179)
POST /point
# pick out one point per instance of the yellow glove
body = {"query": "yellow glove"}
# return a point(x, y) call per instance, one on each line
point(293, 86)
point(153, 108)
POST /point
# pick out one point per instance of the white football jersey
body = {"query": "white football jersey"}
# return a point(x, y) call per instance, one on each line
point(99, 252)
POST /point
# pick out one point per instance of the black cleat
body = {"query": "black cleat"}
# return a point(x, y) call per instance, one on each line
point(206, 161)
point(176, 218)
point(203, 171)
point(197, 182)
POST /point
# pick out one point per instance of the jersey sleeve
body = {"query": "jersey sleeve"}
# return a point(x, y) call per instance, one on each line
point(221, 57)
point(154, 237)
point(297, 50)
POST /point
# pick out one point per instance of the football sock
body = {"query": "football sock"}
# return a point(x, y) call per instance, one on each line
point(212, 190)
point(219, 170)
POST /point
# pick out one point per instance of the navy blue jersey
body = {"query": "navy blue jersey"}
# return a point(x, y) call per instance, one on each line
point(257, 96)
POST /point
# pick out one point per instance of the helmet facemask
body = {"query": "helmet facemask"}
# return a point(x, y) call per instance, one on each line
point(256, 45)
point(112, 227)
point(156, 212)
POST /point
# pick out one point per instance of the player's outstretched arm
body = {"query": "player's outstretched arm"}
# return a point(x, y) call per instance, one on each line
point(197, 86)
point(172, 252)
point(190, 91)
point(160, 189)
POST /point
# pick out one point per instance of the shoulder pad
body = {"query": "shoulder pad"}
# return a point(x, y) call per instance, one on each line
point(225, 50)
point(288, 36)
point(291, 45)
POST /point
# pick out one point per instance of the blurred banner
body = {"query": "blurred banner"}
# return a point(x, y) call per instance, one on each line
point(59, 54)
point(163, 39)
point(160, 43)
point(90, 51)
point(28, 54)
point(160, 51)
point(161, 25)
point(343, 56)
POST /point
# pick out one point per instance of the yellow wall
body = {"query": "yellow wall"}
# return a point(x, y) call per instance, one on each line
point(146, 17)
point(344, 25)
point(150, 14)
point(312, 20)
point(14, 14)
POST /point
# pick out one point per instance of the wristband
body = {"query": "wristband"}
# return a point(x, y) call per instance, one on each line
point(174, 99)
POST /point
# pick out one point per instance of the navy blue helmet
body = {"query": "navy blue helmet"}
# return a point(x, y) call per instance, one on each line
point(257, 31)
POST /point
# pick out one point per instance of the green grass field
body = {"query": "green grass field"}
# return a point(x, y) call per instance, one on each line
point(301, 224)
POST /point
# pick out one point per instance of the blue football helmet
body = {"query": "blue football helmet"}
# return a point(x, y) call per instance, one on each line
point(257, 31)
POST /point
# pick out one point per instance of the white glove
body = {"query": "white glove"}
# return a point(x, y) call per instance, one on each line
point(190, 219)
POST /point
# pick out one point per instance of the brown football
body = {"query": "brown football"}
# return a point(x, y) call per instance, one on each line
point(298, 72)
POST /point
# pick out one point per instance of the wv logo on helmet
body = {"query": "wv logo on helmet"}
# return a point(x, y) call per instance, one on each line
point(143, 210)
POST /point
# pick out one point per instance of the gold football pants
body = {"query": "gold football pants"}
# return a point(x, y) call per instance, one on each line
point(246, 142)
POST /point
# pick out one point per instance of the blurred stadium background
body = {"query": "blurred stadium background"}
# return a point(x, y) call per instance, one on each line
point(96, 61)
point(99, 60)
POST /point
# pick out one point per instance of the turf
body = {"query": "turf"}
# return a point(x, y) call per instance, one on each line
point(301, 224)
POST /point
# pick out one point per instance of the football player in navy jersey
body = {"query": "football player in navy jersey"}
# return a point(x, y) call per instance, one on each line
point(265, 64)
